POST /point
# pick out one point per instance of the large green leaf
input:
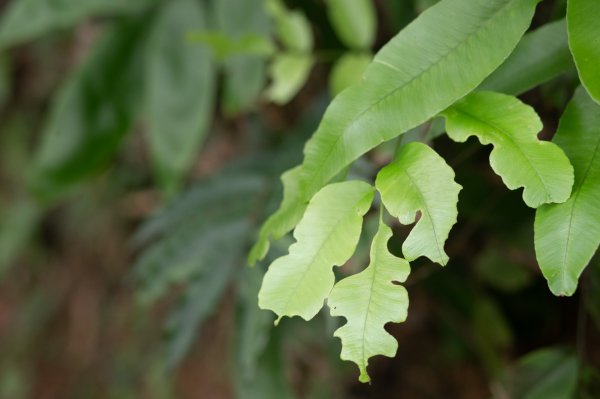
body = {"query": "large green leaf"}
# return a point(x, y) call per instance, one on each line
point(298, 283)
point(27, 19)
point(567, 235)
point(245, 74)
point(369, 300)
point(180, 81)
point(440, 57)
point(419, 180)
point(540, 56)
point(354, 21)
point(283, 220)
point(93, 112)
point(584, 40)
point(519, 157)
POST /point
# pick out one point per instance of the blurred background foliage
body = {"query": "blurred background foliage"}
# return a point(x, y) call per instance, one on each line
point(141, 147)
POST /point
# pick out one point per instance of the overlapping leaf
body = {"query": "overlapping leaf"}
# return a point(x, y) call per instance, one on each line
point(584, 41)
point(519, 157)
point(417, 74)
point(540, 56)
point(327, 235)
point(419, 180)
point(567, 235)
point(180, 83)
point(369, 300)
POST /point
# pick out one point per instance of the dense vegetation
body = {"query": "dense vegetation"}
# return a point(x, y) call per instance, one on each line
point(144, 147)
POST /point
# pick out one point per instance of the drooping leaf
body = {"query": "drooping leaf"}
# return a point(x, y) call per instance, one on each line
point(540, 56)
point(354, 21)
point(416, 75)
point(283, 220)
point(369, 300)
point(245, 74)
point(419, 180)
point(28, 19)
point(519, 157)
point(93, 112)
point(298, 283)
point(567, 235)
point(180, 83)
point(292, 28)
point(288, 74)
point(584, 41)
point(545, 374)
point(348, 71)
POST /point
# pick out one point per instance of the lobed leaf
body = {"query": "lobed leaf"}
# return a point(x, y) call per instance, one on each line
point(519, 157)
point(416, 75)
point(369, 300)
point(180, 83)
point(584, 41)
point(567, 235)
point(283, 220)
point(540, 56)
point(419, 180)
point(327, 235)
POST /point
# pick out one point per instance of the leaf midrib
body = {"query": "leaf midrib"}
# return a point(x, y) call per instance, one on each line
point(480, 27)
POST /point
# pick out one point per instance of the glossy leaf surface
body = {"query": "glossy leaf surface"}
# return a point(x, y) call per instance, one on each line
point(519, 157)
point(419, 73)
point(419, 180)
point(584, 40)
point(327, 235)
point(567, 235)
point(369, 300)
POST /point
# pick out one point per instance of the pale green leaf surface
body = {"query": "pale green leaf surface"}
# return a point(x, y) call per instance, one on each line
point(567, 235)
point(292, 27)
point(369, 300)
point(348, 71)
point(27, 19)
point(419, 180)
point(540, 56)
point(354, 21)
point(180, 83)
point(519, 157)
point(288, 74)
point(223, 46)
point(327, 235)
point(584, 41)
point(416, 75)
point(284, 219)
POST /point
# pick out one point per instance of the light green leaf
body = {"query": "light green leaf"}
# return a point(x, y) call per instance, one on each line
point(27, 19)
point(292, 27)
point(415, 76)
point(180, 80)
point(540, 56)
point(288, 74)
point(567, 235)
point(93, 112)
point(298, 283)
point(354, 21)
point(419, 180)
point(283, 220)
point(369, 300)
point(519, 157)
point(245, 74)
point(347, 71)
point(584, 41)
point(223, 46)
